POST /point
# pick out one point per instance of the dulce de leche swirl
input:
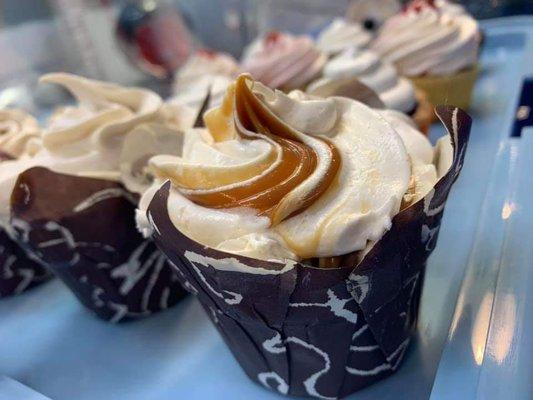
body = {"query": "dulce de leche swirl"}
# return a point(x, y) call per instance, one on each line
point(297, 171)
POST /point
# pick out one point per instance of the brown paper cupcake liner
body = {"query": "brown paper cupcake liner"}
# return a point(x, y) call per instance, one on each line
point(84, 229)
point(322, 333)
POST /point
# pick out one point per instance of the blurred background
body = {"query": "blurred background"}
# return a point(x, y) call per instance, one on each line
point(142, 41)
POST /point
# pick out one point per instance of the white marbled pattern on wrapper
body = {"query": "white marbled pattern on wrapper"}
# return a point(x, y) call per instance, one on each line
point(89, 240)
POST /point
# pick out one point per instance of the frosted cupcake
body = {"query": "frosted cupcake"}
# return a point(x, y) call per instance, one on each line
point(397, 93)
point(19, 139)
point(298, 220)
point(341, 35)
point(72, 204)
point(206, 72)
point(283, 61)
point(435, 44)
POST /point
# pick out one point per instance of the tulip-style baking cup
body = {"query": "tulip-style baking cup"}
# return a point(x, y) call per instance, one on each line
point(19, 271)
point(84, 229)
point(322, 333)
point(448, 89)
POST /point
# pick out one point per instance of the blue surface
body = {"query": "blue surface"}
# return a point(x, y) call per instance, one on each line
point(470, 366)
point(13, 390)
point(51, 344)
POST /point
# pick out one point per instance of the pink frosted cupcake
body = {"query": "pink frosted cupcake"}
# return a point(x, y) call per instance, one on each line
point(435, 44)
point(283, 61)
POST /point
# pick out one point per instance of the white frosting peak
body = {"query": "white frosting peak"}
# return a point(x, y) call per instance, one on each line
point(205, 72)
point(342, 34)
point(366, 66)
point(19, 133)
point(439, 39)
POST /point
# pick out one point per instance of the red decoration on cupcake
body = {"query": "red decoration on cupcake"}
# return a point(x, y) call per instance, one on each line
point(272, 38)
point(419, 5)
point(207, 53)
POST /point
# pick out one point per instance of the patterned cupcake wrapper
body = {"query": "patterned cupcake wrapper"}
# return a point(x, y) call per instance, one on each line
point(321, 333)
point(18, 272)
point(84, 230)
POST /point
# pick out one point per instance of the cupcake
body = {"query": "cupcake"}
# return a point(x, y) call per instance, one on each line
point(297, 220)
point(397, 93)
point(435, 44)
point(206, 72)
point(73, 203)
point(283, 61)
point(19, 139)
point(340, 35)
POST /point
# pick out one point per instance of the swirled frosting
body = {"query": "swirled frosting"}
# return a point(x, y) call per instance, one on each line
point(281, 60)
point(342, 34)
point(110, 133)
point(278, 176)
point(429, 37)
point(19, 133)
point(366, 66)
point(205, 72)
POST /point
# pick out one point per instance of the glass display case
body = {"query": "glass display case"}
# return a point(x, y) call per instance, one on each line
point(474, 329)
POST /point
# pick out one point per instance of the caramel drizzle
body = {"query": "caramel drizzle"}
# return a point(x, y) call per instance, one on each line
point(266, 193)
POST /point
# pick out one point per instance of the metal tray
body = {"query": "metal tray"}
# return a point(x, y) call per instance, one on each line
point(472, 339)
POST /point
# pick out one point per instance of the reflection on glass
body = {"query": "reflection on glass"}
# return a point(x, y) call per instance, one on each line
point(481, 327)
point(508, 209)
point(504, 329)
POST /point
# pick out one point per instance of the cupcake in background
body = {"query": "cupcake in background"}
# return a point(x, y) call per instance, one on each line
point(19, 139)
point(342, 34)
point(283, 61)
point(435, 44)
point(205, 72)
point(397, 93)
point(72, 205)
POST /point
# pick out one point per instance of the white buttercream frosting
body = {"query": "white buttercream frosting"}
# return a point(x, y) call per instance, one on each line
point(110, 133)
point(383, 158)
point(435, 39)
point(19, 132)
point(366, 66)
point(423, 171)
point(205, 72)
point(341, 34)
